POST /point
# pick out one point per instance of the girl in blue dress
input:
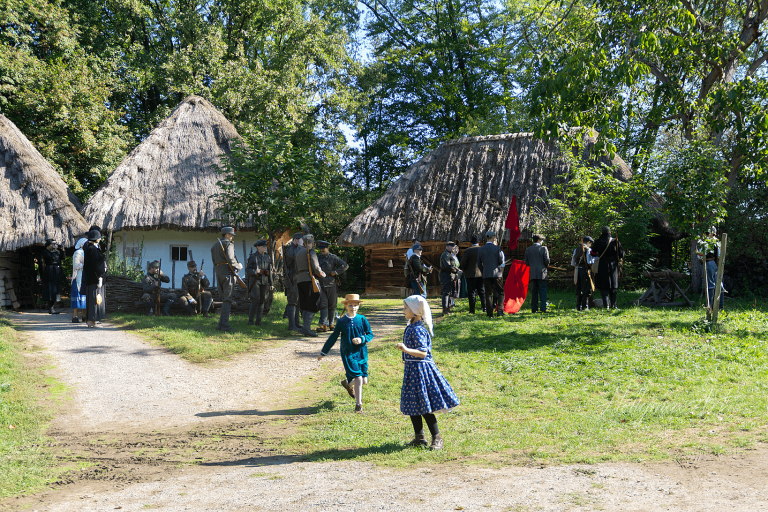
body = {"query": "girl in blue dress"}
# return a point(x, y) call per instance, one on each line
point(424, 390)
point(355, 332)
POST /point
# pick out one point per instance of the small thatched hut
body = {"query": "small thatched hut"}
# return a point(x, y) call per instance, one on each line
point(35, 204)
point(461, 189)
point(160, 202)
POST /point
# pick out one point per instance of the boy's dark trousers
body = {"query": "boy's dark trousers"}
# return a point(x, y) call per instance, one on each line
point(538, 291)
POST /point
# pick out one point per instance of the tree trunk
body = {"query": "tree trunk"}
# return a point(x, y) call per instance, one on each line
point(697, 269)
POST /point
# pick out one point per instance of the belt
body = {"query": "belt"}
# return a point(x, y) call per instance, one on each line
point(225, 263)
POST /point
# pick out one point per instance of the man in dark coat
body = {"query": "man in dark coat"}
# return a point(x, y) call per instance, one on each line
point(224, 264)
point(448, 274)
point(260, 281)
point(418, 270)
point(193, 290)
point(473, 275)
point(582, 260)
point(292, 311)
point(537, 258)
point(610, 253)
point(51, 276)
point(94, 272)
point(490, 261)
point(150, 285)
point(332, 265)
point(307, 269)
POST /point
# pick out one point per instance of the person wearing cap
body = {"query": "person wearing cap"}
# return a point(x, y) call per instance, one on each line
point(609, 253)
point(490, 261)
point(307, 270)
point(582, 260)
point(258, 270)
point(292, 311)
point(473, 275)
point(537, 259)
point(150, 284)
point(51, 276)
point(418, 271)
point(332, 265)
point(77, 299)
point(193, 290)
point(225, 265)
point(355, 334)
point(449, 272)
point(94, 271)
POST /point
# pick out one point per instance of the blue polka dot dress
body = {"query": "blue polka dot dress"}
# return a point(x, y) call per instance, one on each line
point(425, 390)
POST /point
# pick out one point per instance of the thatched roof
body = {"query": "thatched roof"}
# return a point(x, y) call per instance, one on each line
point(170, 179)
point(464, 187)
point(35, 203)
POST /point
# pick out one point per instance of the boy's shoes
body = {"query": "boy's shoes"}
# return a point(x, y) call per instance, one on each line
point(437, 443)
point(359, 409)
point(420, 441)
point(348, 387)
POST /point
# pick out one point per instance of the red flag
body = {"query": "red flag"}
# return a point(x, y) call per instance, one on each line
point(513, 224)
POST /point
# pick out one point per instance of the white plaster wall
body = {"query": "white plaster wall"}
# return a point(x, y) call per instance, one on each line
point(157, 246)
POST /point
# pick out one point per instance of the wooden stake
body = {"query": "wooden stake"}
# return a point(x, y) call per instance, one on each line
point(719, 282)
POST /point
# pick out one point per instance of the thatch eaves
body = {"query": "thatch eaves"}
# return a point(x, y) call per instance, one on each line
point(35, 203)
point(463, 188)
point(170, 180)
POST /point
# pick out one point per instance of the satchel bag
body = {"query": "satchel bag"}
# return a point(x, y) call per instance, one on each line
point(596, 263)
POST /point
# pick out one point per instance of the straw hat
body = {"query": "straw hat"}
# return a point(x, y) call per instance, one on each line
point(351, 298)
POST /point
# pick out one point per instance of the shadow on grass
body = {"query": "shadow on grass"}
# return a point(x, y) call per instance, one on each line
point(344, 454)
point(298, 411)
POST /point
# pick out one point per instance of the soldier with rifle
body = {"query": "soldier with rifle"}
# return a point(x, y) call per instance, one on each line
point(226, 266)
point(193, 290)
point(151, 284)
point(308, 273)
point(292, 311)
point(332, 265)
point(418, 270)
point(260, 280)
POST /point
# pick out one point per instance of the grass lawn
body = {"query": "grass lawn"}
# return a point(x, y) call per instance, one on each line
point(633, 385)
point(25, 463)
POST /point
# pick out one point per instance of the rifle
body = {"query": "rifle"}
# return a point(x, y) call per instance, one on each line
point(315, 288)
point(157, 300)
point(240, 282)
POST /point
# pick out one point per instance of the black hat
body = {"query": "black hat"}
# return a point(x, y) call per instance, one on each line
point(154, 264)
point(298, 235)
point(588, 239)
point(49, 241)
point(227, 230)
point(605, 231)
point(474, 240)
point(261, 242)
point(94, 235)
point(191, 263)
point(322, 244)
point(416, 247)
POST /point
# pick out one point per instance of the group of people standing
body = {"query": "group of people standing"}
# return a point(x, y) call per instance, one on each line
point(88, 289)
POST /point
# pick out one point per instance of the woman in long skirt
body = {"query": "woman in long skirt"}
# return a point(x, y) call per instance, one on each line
point(77, 300)
point(94, 271)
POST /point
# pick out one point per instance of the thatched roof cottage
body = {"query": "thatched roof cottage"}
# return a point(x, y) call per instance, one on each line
point(463, 188)
point(35, 204)
point(162, 197)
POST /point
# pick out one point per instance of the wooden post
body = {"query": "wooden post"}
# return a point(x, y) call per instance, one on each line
point(719, 282)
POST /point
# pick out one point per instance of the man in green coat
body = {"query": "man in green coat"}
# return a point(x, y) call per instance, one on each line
point(225, 265)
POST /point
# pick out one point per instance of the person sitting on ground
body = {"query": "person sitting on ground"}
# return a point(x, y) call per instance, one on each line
point(150, 284)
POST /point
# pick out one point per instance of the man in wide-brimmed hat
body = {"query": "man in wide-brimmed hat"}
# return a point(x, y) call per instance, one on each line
point(260, 281)
point(151, 284)
point(332, 265)
point(225, 265)
point(194, 293)
point(52, 276)
point(308, 270)
point(292, 312)
point(94, 272)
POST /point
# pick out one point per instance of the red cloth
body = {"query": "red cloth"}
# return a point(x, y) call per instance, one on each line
point(513, 224)
point(516, 287)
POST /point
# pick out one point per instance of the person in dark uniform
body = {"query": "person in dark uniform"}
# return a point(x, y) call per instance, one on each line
point(473, 275)
point(292, 311)
point(94, 272)
point(309, 299)
point(609, 252)
point(332, 265)
point(193, 291)
point(490, 261)
point(260, 281)
point(449, 271)
point(418, 270)
point(537, 259)
point(582, 260)
point(150, 285)
point(51, 276)
point(223, 257)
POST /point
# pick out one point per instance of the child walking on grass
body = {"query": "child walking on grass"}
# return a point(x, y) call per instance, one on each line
point(355, 332)
point(424, 390)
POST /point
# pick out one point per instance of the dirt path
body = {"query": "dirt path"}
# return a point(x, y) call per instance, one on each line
point(139, 414)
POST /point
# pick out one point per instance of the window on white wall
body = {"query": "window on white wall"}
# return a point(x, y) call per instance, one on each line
point(179, 252)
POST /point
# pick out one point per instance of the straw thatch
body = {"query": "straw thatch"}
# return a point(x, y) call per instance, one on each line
point(35, 203)
point(170, 179)
point(464, 187)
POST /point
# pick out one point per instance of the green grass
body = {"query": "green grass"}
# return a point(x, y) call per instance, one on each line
point(25, 463)
point(633, 385)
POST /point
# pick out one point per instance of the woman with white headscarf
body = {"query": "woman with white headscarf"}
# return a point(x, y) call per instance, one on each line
point(425, 390)
point(77, 300)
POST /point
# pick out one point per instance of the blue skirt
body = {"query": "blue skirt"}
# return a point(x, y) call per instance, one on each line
point(76, 301)
point(425, 390)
